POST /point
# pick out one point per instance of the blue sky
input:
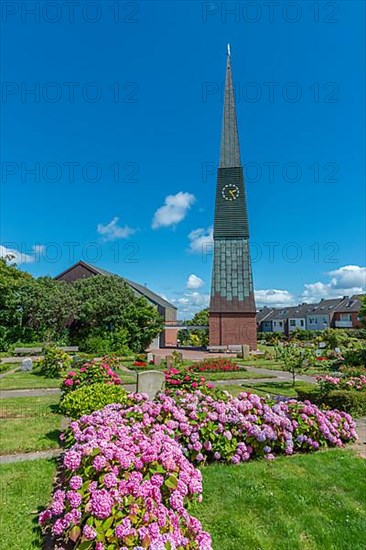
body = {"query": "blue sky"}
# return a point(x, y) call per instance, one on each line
point(123, 133)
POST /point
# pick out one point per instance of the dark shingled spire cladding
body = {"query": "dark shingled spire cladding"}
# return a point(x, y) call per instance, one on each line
point(230, 151)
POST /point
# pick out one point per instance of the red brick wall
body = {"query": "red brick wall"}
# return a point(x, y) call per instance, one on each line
point(233, 328)
point(170, 337)
point(354, 317)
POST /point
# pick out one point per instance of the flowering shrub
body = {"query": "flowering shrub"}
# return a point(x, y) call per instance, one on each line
point(54, 362)
point(328, 383)
point(184, 379)
point(236, 429)
point(218, 364)
point(124, 485)
point(87, 399)
point(127, 477)
point(91, 373)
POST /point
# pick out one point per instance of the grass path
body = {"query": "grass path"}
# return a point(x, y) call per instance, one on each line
point(307, 502)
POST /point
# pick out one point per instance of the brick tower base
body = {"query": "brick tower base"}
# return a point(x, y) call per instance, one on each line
point(233, 329)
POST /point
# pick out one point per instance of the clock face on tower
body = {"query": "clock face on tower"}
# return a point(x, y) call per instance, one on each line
point(230, 192)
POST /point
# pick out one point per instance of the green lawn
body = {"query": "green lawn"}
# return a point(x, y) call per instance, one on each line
point(234, 375)
point(29, 424)
point(24, 487)
point(308, 502)
point(27, 380)
point(5, 367)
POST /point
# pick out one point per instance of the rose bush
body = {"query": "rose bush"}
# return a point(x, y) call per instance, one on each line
point(217, 364)
point(93, 372)
point(124, 485)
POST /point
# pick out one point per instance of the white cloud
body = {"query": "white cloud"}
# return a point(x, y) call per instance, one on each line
point(15, 256)
point(174, 210)
point(194, 282)
point(201, 240)
point(274, 298)
point(345, 281)
point(112, 231)
point(348, 276)
point(190, 303)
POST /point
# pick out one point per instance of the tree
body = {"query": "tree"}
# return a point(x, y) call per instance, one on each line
point(295, 360)
point(362, 315)
point(106, 304)
point(12, 281)
point(197, 337)
point(49, 308)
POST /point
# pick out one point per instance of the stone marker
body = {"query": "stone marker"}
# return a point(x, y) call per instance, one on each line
point(157, 360)
point(169, 361)
point(149, 357)
point(150, 382)
point(27, 365)
point(245, 351)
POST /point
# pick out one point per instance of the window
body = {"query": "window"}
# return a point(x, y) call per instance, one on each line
point(292, 322)
point(301, 322)
point(280, 323)
point(346, 317)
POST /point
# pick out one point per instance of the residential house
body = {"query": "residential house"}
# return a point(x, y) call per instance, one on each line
point(261, 318)
point(320, 316)
point(347, 313)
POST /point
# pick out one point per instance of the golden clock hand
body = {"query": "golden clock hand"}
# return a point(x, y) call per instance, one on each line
point(232, 193)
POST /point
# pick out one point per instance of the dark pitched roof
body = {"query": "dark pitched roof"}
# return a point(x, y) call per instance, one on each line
point(263, 314)
point(350, 304)
point(140, 290)
point(324, 306)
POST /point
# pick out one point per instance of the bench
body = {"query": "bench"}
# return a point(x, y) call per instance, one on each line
point(224, 349)
point(37, 351)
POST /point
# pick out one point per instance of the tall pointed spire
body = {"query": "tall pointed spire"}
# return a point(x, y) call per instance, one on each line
point(232, 306)
point(230, 150)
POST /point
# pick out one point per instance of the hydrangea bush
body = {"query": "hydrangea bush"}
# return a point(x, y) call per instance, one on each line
point(328, 383)
point(236, 429)
point(125, 485)
point(128, 474)
point(93, 372)
point(184, 379)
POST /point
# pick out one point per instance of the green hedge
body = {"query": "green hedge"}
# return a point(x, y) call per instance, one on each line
point(352, 402)
point(88, 399)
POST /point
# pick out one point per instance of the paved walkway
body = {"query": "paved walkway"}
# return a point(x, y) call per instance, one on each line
point(7, 459)
point(42, 392)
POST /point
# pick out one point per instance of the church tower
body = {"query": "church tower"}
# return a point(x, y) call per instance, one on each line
point(232, 307)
